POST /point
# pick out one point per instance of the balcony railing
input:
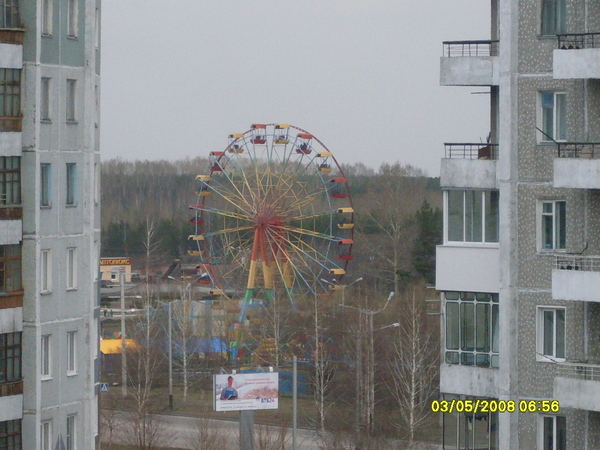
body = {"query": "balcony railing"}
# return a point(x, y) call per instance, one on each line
point(11, 388)
point(588, 150)
point(578, 41)
point(579, 370)
point(470, 48)
point(577, 262)
point(471, 151)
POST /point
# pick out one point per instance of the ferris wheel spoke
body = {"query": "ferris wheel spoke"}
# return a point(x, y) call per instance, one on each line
point(224, 213)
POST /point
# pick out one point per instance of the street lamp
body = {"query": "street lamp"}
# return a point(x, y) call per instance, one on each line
point(342, 287)
point(370, 379)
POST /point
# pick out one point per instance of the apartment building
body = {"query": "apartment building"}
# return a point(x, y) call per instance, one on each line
point(49, 223)
point(519, 268)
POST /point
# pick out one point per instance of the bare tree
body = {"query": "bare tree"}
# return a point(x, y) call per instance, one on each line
point(207, 436)
point(414, 365)
point(323, 378)
point(271, 437)
point(183, 331)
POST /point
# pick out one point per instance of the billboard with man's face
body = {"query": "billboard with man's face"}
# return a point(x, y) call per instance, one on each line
point(246, 391)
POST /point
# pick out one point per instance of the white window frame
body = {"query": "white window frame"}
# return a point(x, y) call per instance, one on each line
point(45, 99)
point(71, 268)
point(555, 354)
point(71, 106)
point(484, 218)
point(558, 121)
point(47, 7)
point(71, 434)
point(554, 418)
point(46, 271)
point(71, 184)
point(46, 435)
point(45, 185)
point(72, 353)
point(46, 357)
point(558, 229)
point(73, 18)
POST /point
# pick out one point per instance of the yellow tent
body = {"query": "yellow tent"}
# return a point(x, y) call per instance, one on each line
point(113, 346)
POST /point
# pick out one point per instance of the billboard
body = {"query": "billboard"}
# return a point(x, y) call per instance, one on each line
point(246, 391)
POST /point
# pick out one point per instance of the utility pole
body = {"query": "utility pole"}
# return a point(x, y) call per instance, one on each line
point(123, 337)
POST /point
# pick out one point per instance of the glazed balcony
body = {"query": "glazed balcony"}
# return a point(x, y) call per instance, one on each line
point(577, 165)
point(470, 63)
point(11, 27)
point(577, 385)
point(467, 267)
point(577, 56)
point(469, 165)
point(576, 277)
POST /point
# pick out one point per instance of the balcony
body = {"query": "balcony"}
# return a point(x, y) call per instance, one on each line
point(467, 268)
point(469, 166)
point(578, 385)
point(468, 380)
point(11, 407)
point(470, 63)
point(11, 27)
point(576, 277)
point(577, 56)
point(577, 165)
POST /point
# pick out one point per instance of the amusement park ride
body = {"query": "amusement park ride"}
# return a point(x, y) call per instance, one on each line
point(274, 218)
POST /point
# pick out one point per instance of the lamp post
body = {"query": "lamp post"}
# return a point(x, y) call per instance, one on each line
point(370, 378)
point(341, 287)
point(123, 337)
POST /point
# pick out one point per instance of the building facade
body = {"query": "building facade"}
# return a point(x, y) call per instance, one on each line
point(519, 268)
point(49, 223)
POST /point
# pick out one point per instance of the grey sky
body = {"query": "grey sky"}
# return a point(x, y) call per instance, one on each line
point(361, 75)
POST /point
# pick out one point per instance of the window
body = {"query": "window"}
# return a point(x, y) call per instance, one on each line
point(71, 268)
point(71, 432)
point(553, 433)
point(553, 116)
point(71, 358)
point(71, 91)
point(10, 268)
point(553, 225)
point(45, 100)
point(45, 181)
point(472, 329)
point(47, 17)
point(73, 16)
point(469, 430)
point(551, 334)
point(10, 434)
point(554, 17)
point(472, 216)
point(10, 14)
point(46, 268)
point(45, 352)
point(71, 184)
point(10, 92)
point(10, 180)
point(46, 435)
point(10, 357)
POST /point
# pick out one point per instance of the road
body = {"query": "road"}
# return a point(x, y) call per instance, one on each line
point(183, 432)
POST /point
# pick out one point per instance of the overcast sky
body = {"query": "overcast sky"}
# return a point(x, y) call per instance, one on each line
point(361, 75)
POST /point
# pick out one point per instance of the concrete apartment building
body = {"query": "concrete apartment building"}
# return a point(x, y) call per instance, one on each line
point(519, 268)
point(49, 223)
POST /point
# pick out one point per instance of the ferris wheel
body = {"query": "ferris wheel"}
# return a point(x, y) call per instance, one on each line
point(274, 217)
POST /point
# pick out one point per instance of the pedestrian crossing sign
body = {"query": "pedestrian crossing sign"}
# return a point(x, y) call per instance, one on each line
point(103, 387)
